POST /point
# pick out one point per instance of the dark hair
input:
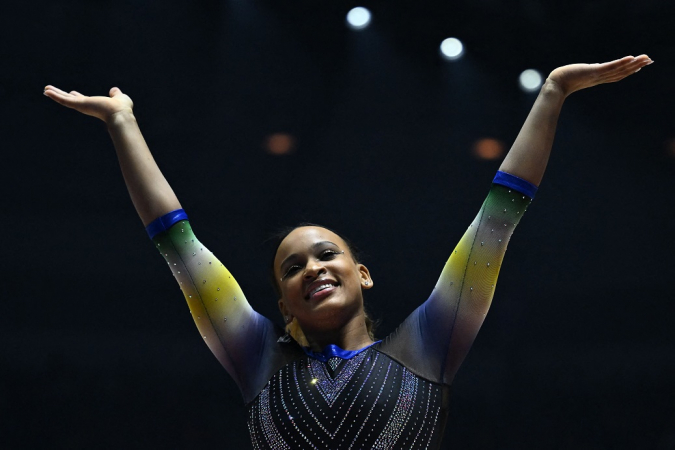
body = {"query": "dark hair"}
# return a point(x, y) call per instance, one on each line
point(280, 235)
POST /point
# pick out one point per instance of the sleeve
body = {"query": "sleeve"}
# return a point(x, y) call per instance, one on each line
point(238, 336)
point(434, 340)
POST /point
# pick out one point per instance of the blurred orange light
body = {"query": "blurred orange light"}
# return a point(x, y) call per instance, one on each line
point(280, 144)
point(670, 147)
point(488, 148)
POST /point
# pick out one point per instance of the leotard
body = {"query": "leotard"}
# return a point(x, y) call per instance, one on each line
point(390, 395)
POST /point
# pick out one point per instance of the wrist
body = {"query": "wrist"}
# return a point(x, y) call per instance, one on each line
point(552, 89)
point(120, 119)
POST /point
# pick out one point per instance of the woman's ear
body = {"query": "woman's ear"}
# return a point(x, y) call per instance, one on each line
point(366, 280)
point(288, 317)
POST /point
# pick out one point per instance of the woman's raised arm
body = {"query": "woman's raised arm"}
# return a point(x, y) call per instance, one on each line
point(529, 153)
point(439, 334)
point(241, 339)
point(150, 192)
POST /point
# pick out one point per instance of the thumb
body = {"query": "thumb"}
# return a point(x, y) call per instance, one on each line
point(115, 91)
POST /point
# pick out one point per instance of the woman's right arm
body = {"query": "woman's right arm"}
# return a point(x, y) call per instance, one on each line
point(150, 192)
point(240, 338)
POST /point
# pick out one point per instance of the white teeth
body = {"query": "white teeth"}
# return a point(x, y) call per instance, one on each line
point(320, 288)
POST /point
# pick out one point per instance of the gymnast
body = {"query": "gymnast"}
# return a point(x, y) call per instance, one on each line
point(324, 382)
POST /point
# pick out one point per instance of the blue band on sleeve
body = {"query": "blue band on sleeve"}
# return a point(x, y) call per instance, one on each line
point(513, 182)
point(165, 222)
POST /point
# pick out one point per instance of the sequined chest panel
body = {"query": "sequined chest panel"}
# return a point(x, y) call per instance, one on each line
point(369, 401)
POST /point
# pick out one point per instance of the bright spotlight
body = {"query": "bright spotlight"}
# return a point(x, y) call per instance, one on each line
point(358, 18)
point(530, 80)
point(452, 48)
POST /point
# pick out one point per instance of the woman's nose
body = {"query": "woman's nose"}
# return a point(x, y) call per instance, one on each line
point(313, 269)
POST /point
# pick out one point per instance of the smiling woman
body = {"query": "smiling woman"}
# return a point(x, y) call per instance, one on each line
point(329, 384)
point(293, 329)
point(320, 282)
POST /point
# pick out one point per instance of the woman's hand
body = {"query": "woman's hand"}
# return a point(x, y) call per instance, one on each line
point(150, 192)
point(104, 108)
point(575, 77)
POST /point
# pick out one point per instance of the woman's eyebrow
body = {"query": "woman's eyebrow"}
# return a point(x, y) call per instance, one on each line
point(320, 243)
point(313, 246)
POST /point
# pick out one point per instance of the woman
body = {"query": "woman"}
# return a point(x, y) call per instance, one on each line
point(340, 389)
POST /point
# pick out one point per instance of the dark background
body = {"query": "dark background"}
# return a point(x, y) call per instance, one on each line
point(98, 349)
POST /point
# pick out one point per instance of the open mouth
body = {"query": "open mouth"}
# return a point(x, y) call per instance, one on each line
point(321, 288)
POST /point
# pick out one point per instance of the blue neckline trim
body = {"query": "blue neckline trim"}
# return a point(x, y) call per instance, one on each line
point(513, 182)
point(165, 222)
point(332, 351)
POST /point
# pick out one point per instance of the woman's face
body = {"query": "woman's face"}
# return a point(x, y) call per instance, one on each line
point(319, 280)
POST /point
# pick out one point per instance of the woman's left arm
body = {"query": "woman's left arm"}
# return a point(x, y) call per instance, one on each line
point(476, 261)
point(440, 332)
point(529, 153)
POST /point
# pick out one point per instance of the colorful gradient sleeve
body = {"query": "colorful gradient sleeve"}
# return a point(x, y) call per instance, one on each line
point(439, 333)
point(240, 338)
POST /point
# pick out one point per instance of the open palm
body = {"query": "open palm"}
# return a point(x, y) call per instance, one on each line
point(574, 77)
point(104, 108)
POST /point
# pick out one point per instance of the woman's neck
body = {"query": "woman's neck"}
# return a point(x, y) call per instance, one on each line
point(352, 336)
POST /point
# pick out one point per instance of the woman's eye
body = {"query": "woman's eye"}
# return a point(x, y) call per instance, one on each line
point(291, 270)
point(325, 255)
point(328, 254)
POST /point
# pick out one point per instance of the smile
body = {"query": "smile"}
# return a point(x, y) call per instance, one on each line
point(320, 289)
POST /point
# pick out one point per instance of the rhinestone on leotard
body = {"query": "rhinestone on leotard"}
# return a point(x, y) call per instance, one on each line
point(376, 404)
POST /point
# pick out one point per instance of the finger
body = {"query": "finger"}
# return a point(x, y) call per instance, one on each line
point(643, 57)
point(610, 65)
point(627, 63)
point(65, 98)
point(611, 68)
point(631, 68)
point(642, 62)
point(61, 91)
point(626, 68)
point(639, 62)
point(55, 89)
point(619, 64)
point(624, 74)
point(622, 71)
point(115, 91)
point(76, 94)
point(61, 97)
